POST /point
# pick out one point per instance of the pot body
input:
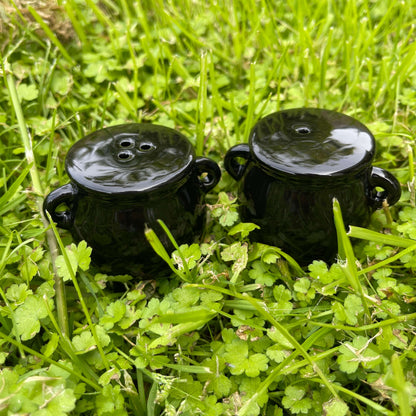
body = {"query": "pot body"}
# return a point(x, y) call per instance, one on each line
point(299, 218)
point(114, 227)
point(291, 198)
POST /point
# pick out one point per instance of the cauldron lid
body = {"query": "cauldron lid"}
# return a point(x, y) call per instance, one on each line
point(130, 158)
point(312, 141)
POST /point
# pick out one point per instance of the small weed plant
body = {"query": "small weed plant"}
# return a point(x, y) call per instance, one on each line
point(229, 326)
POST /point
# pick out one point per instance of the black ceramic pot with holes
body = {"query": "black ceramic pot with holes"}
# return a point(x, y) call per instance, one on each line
point(124, 178)
point(296, 162)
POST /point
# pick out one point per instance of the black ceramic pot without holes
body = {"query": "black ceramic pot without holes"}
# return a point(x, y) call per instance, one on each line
point(124, 178)
point(296, 162)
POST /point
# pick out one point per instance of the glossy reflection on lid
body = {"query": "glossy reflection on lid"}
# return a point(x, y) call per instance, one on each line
point(129, 158)
point(311, 141)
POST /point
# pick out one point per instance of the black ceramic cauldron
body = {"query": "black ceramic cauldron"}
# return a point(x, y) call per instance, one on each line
point(124, 178)
point(296, 162)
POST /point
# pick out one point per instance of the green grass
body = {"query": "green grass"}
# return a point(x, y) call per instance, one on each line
point(241, 329)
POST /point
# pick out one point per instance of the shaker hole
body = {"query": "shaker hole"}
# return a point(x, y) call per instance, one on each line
point(126, 143)
point(303, 130)
point(125, 156)
point(145, 147)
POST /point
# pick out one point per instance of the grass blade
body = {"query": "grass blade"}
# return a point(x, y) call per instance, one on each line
point(249, 121)
point(346, 253)
point(79, 293)
point(399, 383)
point(50, 361)
point(160, 250)
point(202, 105)
point(151, 400)
point(27, 144)
point(387, 239)
point(9, 194)
point(196, 314)
point(388, 261)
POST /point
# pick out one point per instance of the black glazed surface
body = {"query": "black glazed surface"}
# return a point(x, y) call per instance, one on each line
point(312, 142)
point(296, 162)
point(299, 219)
point(130, 158)
point(115, 228)
point(111, 199)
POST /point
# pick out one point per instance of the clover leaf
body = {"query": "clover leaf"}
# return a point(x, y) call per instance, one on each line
point(295, 400)
point(319, 270)
point(225, 210)
point(335, 407)
point(282, 297)
point(85, 341)
point(244, 228)
point(191, 254)
point(408, 216)
point(78, 256)
point(240, 361)
point(110, 401)
point(238, 254)
point(304, 291)
point(27, 92)
point(41, 394)
point(28, 315)
point(215, 380)
point(360, 351)
point(113, 314)
point(17, 294)
point(353, 308)
point(260, 273)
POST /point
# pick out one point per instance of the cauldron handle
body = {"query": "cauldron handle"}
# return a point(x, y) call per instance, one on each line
point(208, 166)
point(233, 167)
point(66, 194)
point(391, 187)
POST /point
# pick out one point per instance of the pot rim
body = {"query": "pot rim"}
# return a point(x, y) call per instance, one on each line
point(262, 151)
point(93, 163)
